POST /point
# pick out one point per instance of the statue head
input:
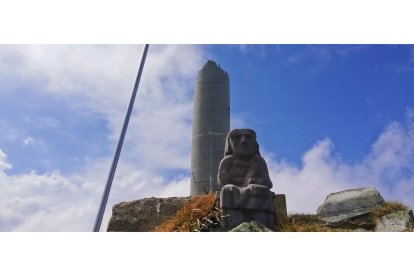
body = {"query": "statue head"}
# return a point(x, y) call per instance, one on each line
point(242, 143)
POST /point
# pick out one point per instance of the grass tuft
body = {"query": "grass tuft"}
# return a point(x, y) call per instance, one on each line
point(387, 208)
point(307, 223)
point(199, 214)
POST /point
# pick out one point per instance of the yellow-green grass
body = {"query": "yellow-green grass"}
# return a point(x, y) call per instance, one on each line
point(387, 208)
point(198, 214)
point(201, 213)
point(307, 223)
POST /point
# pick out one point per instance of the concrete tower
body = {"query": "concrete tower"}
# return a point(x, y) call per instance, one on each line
point(211, 123)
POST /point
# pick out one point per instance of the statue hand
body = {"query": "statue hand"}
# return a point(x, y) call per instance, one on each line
point(224, 178)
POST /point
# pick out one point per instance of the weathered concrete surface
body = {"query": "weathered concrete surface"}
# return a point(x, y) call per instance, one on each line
point(144, 214)
point(252, 226)
point(350, 208)
point(396, 222)
point(279, 205)
point(211, 123)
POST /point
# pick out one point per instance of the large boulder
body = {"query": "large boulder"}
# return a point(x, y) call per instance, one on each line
point(351, 208)
point(253, 226)
point(398, 221)
point(144, 214)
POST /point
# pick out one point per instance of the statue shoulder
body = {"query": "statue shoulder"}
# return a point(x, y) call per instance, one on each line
point(226, 161)
point(259, 159)
point(228, 158)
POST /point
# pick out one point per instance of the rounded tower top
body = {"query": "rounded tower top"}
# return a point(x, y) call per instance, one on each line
point(211, 72)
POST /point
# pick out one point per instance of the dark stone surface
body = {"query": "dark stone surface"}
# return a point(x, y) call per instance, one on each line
point(242, 163)
point(142, 215)
point(252, 197)
point(244, 181)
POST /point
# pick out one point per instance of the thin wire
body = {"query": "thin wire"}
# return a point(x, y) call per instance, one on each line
point(111, 175)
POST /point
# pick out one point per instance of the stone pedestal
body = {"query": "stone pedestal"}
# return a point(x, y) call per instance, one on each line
point(251, 203)
point(279, 205)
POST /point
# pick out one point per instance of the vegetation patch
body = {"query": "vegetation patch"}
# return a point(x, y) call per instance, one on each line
point(387, 208)
point(199, 214)
point(307, 223)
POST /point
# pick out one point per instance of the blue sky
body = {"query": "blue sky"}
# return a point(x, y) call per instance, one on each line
point(328, 118)
point(296, 94)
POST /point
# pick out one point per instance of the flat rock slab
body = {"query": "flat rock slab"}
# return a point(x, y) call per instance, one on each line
point(350, 208)
point(396, 222)
point(143, 215)
point(252, 226)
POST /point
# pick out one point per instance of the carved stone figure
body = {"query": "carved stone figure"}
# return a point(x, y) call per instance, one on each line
point(244, 181)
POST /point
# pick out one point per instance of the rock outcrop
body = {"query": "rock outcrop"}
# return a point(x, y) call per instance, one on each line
point(396, 222)
point(351, 208)
point(357, 210)
point(144, 214)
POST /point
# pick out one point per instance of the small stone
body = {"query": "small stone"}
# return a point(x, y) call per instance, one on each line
point(252, 226)
point(396, 222)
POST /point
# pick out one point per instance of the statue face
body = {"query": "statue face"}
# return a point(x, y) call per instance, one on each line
point(243, 143)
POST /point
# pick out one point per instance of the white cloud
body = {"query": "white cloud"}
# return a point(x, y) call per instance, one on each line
point(42, 121)
point(256, 49)
point(4, 165)
point(98, 79)
point(29, 141)
point(388, 167)
point(54, 202)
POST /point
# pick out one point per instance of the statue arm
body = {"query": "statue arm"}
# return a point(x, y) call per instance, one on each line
point(224, 173)
point(264, 178)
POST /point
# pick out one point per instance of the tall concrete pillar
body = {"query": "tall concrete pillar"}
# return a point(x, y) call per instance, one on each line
point(211, 123)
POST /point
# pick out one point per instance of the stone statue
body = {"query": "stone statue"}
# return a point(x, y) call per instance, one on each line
point(244, 181)
point(242, 164)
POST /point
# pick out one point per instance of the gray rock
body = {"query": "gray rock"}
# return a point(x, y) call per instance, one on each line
point(252, 226)
point(279, 205)
point(350, 208)
point(144, 214)
point(396, 222)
